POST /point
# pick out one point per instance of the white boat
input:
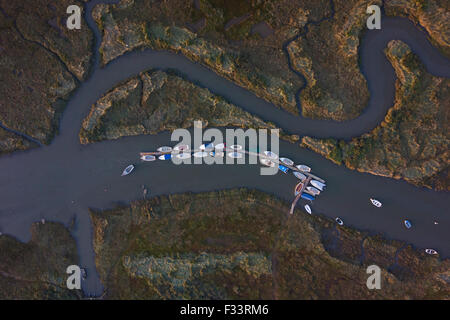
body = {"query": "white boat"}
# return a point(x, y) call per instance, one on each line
point(164, 149)
point(207, 146)
point(220, 146)
point(271, 155)
point(376, 203)
point(127, 170)
point(182, 147)
point(313, 190)
point(299, 175)
point(287, 161)
point(165, 157)
point(303, 168)
point(183, 156)
point(216, 154)
point(236, 147)
point(317, 184)
point(148, 157)
point(339, 221)
point(308, 209)
point(431, 251)
point(200, 154)
point(267, 162)
point(235, 155)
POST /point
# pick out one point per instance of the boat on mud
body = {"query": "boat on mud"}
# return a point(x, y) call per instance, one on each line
point(376, 203)
point(127, 170)
point(148, 157)
point(339, 221)
point(271, 155)
point(287, 161)
point(431, 251)
point(303, 168)
point(299, 175)
point(313, 190)
point(164, 149)
point(308, 209)
point(318, 185)
point(165, 157)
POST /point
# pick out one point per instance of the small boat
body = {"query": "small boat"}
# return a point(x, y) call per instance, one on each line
point(267, 162)
point(431, 251)
point(298, 188)
point(283, 168)
point(299, 175)
point(287, 161)
point(317, 184)
point(164, 149)
point(235, 155)
point(148, 157)
point(313, 190)
point(303, 168)
point(128, 170)
point(216, 154)
point(183, 156)
point(408, 224)
point(207, 146)
point(339, 221)
point(165, 157)
point(307, 196)
point(200, 154)
point(182, 147)
point(236, 147)
point(220, 146)
point(376, 203)
point(271, 155)
point(308, 209)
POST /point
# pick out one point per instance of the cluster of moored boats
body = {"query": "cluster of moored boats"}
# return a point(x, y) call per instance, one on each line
point(308, 188)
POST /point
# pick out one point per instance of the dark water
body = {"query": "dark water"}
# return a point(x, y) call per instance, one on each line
point(61, 181)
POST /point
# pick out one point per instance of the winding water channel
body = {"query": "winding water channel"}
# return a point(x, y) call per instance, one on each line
point(61, 181)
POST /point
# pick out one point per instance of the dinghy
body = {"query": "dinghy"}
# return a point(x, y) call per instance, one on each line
point(313, 190)
point(148, 158)
point(431, 251)
point(235, 155)
point(308, 209)
point(165, 157)
point(127, 170)
point(219, 154)
point(164, 149)
point(408, 224)
point(267, 162)
point(299, 175)
point(200, 154)
point(236, 147)
point(307, 196)
point(318, 185)
point(298, 188)
point(287, 161)
point(339, 221)
point(376, 203)
point(207, 146)
point(271, 155)
point(283, 168)
point(220, 146)
point(303, 168)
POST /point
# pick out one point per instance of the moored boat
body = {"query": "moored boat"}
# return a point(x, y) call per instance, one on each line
point(283, 168)
point(303, 168)
point(148, 157)
point(299, 175)
point(207, 146)
point(164, 149)
point(236, 147)
point(298, 188)
point(182, 147)
point(431, 251)
point(270, 155)
point(235, 155)
point(339, 221)
point(216, 154)
point(313, 190)
point(318, 185)
point(183, 156)
point(376, 203)
point(287, 161)
point(200, 154)
point(165, 157)
point(127, 170)
point(308, 209)
point(307, 196)
point(220, 146)
point(267, 162)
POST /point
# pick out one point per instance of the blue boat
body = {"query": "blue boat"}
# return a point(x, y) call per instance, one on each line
point(307, 197)
point(283, 168)
point(408, 224)
point(165, 157)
